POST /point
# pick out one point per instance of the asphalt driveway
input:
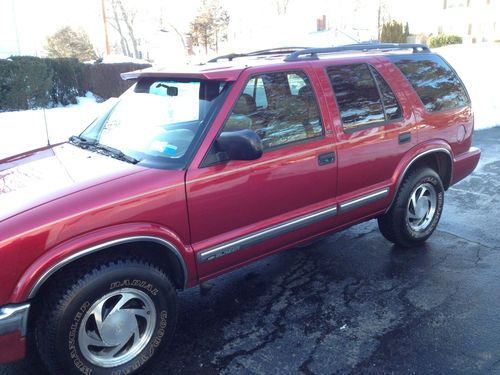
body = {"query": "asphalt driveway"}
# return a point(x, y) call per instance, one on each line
point(352, 303)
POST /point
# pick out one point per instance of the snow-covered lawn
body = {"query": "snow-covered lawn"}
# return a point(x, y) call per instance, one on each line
point(25, 130)
point(477, 65)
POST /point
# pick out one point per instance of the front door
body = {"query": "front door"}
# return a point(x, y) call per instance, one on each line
point(240, 210)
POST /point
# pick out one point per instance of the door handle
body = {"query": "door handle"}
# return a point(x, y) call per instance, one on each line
point(404, 137)
point(326, 158)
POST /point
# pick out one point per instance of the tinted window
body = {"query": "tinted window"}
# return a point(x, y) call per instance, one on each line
point(435, 82)
point(255, 88)
point(296, 82)
point(391, 105)
point(357, 95)
point(290, 113)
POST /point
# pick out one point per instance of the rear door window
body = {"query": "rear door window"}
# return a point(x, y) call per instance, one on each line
point(363, 97)
point(391, 106)
point(435, 82)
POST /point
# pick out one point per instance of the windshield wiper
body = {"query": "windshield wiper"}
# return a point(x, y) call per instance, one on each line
point(80, 141)
point(113, 152)
point(102, 149)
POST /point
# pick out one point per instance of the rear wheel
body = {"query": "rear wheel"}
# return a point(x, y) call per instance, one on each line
point(112, 318)
point(416, 210)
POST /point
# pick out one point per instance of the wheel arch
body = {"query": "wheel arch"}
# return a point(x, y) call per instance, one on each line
point(158, 250)
point(438, 157)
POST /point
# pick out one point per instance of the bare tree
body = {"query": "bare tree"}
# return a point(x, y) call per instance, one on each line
point(210, 26)
point(128, 19)
point(281, 6)
point(123, 22)
point(175, 29)
point(117, 26)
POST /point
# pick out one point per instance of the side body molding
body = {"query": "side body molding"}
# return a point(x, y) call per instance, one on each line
point(94, 249)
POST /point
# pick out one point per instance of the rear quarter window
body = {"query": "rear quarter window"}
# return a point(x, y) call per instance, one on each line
point(434, 81)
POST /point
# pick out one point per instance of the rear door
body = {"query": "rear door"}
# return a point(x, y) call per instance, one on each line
point(375, 127)
point(240, 210)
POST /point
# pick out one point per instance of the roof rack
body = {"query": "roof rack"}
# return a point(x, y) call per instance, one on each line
point(264, 52)
point(312, 53)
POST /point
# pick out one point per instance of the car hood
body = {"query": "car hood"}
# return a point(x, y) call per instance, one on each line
point(40, 176)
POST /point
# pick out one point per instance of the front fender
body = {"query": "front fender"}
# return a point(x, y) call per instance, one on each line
point(97, 241)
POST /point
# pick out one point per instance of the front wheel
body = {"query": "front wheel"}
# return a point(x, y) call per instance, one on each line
point(416, 210)
point(111, 319)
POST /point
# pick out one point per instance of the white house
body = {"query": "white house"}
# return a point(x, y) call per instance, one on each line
point(474, 20)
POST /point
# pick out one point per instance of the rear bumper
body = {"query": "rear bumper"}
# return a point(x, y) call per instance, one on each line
point(13, 329)
point(464, 164)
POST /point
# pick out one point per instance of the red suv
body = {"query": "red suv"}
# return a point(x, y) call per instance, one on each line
point(198, 171)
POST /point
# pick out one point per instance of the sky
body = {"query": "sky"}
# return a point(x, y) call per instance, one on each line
point(25, 24)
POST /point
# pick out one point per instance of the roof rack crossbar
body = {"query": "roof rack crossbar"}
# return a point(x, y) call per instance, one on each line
point(264, 52)
point(312, 53)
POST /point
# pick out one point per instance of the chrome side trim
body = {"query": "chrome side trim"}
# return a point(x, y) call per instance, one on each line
point(238, 244)
point(103, 246)
point(431, 151)
point(364, 199)
point(14, 318)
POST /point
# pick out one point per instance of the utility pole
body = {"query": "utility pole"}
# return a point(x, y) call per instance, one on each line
point(105, 26)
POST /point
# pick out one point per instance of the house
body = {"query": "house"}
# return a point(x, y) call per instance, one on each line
point(474, 20)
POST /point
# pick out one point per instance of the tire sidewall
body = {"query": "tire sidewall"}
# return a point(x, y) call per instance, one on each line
point(430, 177)
point(151, 282)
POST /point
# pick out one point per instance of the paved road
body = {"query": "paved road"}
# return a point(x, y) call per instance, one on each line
point(353, 304)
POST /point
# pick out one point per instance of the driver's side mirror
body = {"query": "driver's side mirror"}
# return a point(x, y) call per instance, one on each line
point(239, 145)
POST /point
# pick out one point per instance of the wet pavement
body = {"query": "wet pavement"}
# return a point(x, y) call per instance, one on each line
point(352, 303)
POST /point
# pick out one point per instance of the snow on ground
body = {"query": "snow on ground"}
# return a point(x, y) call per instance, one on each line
point(25, 130)
point(477, 65)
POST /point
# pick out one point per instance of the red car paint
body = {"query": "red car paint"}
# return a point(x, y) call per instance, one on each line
point(58, 201)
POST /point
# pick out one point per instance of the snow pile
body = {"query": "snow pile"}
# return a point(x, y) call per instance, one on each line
point(118, 59)
point(25, 130)
point(477, 66)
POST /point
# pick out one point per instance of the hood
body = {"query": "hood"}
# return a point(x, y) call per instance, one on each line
point(40, 176)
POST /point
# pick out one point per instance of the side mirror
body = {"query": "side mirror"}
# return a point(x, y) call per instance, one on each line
point(240, 145)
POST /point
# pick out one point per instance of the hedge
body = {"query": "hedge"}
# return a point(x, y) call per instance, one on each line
point(28, 82)
point(25, 83)
point(67, 80)
point(441, 40)
point(104, 80)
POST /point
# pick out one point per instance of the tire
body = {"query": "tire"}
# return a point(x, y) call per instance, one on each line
point(416, 210)
point(107, 318)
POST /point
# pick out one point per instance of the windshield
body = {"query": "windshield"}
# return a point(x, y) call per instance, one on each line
point(158, 121)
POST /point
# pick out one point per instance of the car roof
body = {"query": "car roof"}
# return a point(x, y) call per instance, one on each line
point(229, 67)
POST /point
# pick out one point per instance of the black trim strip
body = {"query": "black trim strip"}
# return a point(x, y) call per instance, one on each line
point(238, 244)
point(364, 199)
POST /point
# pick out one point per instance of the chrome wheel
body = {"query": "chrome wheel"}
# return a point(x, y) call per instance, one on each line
point(117, 327)
point(421, 207)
